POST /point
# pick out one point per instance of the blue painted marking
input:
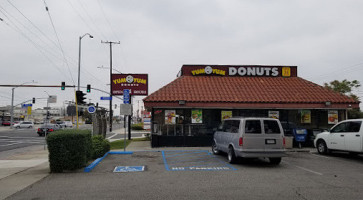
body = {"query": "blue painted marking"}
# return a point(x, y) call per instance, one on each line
point(165, 163)
point(129, 169)
point(98, 160)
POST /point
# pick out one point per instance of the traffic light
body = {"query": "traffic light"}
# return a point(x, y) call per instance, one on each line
point(63, 85)
point(88, 88)
point(80, 97)
point(33, 100)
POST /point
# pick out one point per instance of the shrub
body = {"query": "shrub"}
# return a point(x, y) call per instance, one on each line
point(100, 146)
point(69, 149)
point(138, 126)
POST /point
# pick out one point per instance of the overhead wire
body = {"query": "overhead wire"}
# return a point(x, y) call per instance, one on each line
point(60, 45)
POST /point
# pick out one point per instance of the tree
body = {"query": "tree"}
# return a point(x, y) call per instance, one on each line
point(344, 87)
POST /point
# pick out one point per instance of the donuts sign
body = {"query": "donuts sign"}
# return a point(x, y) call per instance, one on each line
point(136, 83)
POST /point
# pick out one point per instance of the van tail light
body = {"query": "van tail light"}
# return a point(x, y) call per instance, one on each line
point(284, 141)
point(240, 142)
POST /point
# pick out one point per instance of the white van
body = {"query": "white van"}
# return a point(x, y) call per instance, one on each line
point(344, 136)
point(250, 138)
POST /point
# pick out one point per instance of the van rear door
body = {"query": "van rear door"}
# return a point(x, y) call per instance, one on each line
point(253, 139)
point(273, 135)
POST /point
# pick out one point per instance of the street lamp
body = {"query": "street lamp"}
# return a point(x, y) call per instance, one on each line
point(79, 56)
point(12, 103)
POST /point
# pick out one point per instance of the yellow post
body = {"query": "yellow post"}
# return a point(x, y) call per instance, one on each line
point(75, 94)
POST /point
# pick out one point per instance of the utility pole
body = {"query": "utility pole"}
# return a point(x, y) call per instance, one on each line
point(110, 43)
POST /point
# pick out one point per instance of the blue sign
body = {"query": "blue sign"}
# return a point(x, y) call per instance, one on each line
point(91, 109)
point(126, 96)
point(106, 98)
point(27, 105)
point(129, 169)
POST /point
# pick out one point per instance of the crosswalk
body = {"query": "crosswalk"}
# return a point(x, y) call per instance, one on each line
point(10, 140)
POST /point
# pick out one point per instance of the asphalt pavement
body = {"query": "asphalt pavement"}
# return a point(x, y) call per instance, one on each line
point(183, 173)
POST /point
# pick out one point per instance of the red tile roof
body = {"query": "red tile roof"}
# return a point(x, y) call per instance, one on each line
point(276, 90)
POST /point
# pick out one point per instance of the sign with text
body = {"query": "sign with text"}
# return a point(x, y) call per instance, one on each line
point(126, 96)
point(239, 70)
point(136, 83)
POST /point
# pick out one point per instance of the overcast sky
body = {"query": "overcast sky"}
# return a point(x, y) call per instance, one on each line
point(323, 38)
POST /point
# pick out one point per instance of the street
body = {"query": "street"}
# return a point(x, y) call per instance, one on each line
point(301, 175)
point(19, 138)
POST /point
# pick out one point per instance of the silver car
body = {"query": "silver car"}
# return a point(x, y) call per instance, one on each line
point(250, 138)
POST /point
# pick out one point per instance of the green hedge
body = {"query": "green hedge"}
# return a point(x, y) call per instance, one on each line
point(69, 149)
point(139, 126)
point(100, 146)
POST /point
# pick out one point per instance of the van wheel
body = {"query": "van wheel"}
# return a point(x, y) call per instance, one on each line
point(231, 156)
point(275, 161)
point(214, 148)
point(321, 147)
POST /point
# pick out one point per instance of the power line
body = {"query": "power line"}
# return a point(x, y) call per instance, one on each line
point(60, 45)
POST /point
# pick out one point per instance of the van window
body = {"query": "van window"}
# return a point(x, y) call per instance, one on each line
point(231, 126)
point(271, 127)
point(253, 127)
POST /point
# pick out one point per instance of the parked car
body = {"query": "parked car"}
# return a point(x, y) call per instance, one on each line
point(344, 136)
point(68, 124)
point(60, 124)
point(250, 138)
point(6, 123)
point(49, 128)
point(24, 124)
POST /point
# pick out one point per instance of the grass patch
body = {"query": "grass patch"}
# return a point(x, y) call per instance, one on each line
point(119, 144)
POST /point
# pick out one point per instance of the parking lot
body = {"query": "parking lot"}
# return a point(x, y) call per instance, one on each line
point(197, 174)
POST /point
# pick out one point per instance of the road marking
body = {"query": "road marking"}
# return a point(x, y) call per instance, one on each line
point(112, 136)
point(305, 169)
point(320, 156)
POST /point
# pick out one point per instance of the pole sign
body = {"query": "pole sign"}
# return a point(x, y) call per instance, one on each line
point(106, 98)
point(126, 96)
point(91, 109)
point(137, 83)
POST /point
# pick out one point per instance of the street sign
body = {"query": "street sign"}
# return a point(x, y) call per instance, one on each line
point(106, 98)
point(126, 96)
point(126, 109)
point(27, 105)
point(52, 99)
point(91, 109)
point(129, 169)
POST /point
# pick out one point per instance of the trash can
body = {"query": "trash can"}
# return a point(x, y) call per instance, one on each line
point(300, 135)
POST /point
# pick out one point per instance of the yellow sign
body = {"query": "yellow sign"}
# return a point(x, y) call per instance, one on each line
point(286, 72)
point(29, 110)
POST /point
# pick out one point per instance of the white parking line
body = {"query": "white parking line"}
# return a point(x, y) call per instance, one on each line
point(320, 156)
point(305, 169)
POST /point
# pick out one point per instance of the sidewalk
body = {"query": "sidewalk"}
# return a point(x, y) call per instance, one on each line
point(21, 168)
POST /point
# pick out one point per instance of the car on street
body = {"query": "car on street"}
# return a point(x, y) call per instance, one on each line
point(346, 136)
point(6, 123)
point(68, 124)
point(24, 124)
point(250, 138)
point(47, 128)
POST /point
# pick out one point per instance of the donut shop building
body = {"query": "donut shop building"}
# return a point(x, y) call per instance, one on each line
point(188, 110)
